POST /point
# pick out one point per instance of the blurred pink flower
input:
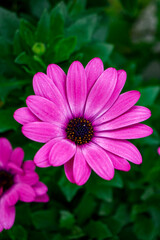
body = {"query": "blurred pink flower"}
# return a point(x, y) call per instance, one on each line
point(18, 181)
point(158, 150)
point(84, 120)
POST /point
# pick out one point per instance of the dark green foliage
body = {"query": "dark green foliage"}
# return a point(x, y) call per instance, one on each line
point(36, 33)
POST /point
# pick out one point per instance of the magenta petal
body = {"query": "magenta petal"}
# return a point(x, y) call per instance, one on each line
point(119, 163)
point(134, 131)
point(1, 227)
point(17, 156)
point(135, 115)
point(11, 196)
point(24, 115)
point(41, 158)
point(40, 188)
point(68, 168)
point(30, 178)
point(98, 160)
point(93, 70)
point(81, 169)
point(121, 79)
point(100, 92)
point(5, 151)
point(41, 131)
point(7, 214)
point(124, 102)
point(62, 152)
point(42, 198)
point(45, 110)
point(26, 192)
point(121, 148)
point(29, 166)
point(13, 168)
point(76, 88)
point(58, 76)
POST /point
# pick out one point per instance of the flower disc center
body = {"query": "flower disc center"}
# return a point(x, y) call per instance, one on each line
point(79, 130)
point(6, 181)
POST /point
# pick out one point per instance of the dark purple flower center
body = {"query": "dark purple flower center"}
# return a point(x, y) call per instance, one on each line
point(6, 181)
point(79, 130)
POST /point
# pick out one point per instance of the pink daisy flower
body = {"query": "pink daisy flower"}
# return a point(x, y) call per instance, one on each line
point(84, 120)
point(158, 150)
point(18, 181)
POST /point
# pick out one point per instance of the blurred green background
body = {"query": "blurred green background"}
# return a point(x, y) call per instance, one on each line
point(125, 34)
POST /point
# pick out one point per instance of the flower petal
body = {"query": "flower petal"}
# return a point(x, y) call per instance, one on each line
point(76, 88)
point(98, 160)
point(93, 70)
point(24, 115)
point(58, 76)
point(45, 110)
point(41, 131)
point(68, 168)
point(81, 169)
point(119, 163)
point(134, 131)
point(121, 148)
point(121, 79)
point(8, 214)
point(41, 158)
point(135, 115)
point(29, 178)
point(1, 227)
point(124, 102)
point(17, 156)
point(29, 166)
point(5, 151)
point(62, 152)
point(13, 168)
point(40, 188)
point(100, 92)
point(26, 192)
point(43, 198)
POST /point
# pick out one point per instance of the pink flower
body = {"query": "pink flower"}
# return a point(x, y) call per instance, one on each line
point(158, 150)
point(84, 120)
point(18, 181)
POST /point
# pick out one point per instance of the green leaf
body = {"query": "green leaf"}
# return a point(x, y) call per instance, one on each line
point(7, 121)
point(83, 29)
point(66, 219)
point(38, 6)
point(45, 219)
point(27, 32)
point(101, 50)
point(76, 7)
point(42, 31)
point(148, 95)
point(64, 49)
point(9, 22)
point(17, 232)
point(68, 189)
point(129, 5)
point(98, 230)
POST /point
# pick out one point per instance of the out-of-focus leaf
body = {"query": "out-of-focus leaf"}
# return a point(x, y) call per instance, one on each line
point(38, 6)
point(9, 22)
point(148, 95)
point(42, 31)
point(129, 5)
point(27, 32)
point(7, 121)
point(76, 7)
point(17, 232)
point(98, 230)
point(66, 219)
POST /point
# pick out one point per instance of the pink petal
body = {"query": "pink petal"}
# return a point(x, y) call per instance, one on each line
point(124, 102)
point(41, 158)
point(29, 166)
point(58, 76)
point(1, 227)
point(62, 152)
point(24, 115)
point(26, 192)
point(93, 70)
point(158, 150)
point(135, 115)
point(121, 148)
point(81, 169)
point(98, 160)
point(41, 131)
point(119, 163)
point(100, 92)
point(45, 110)
point(17, 156)
point(43, 198)
point(7, 214)
point(134, 131)
point(43, 86)
point(30, 178)
point(76, 88)
point(68, 168)
point(11, 196)
point(121, 79)
point(13, 168)
point(5, 151)
point(40, 188)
